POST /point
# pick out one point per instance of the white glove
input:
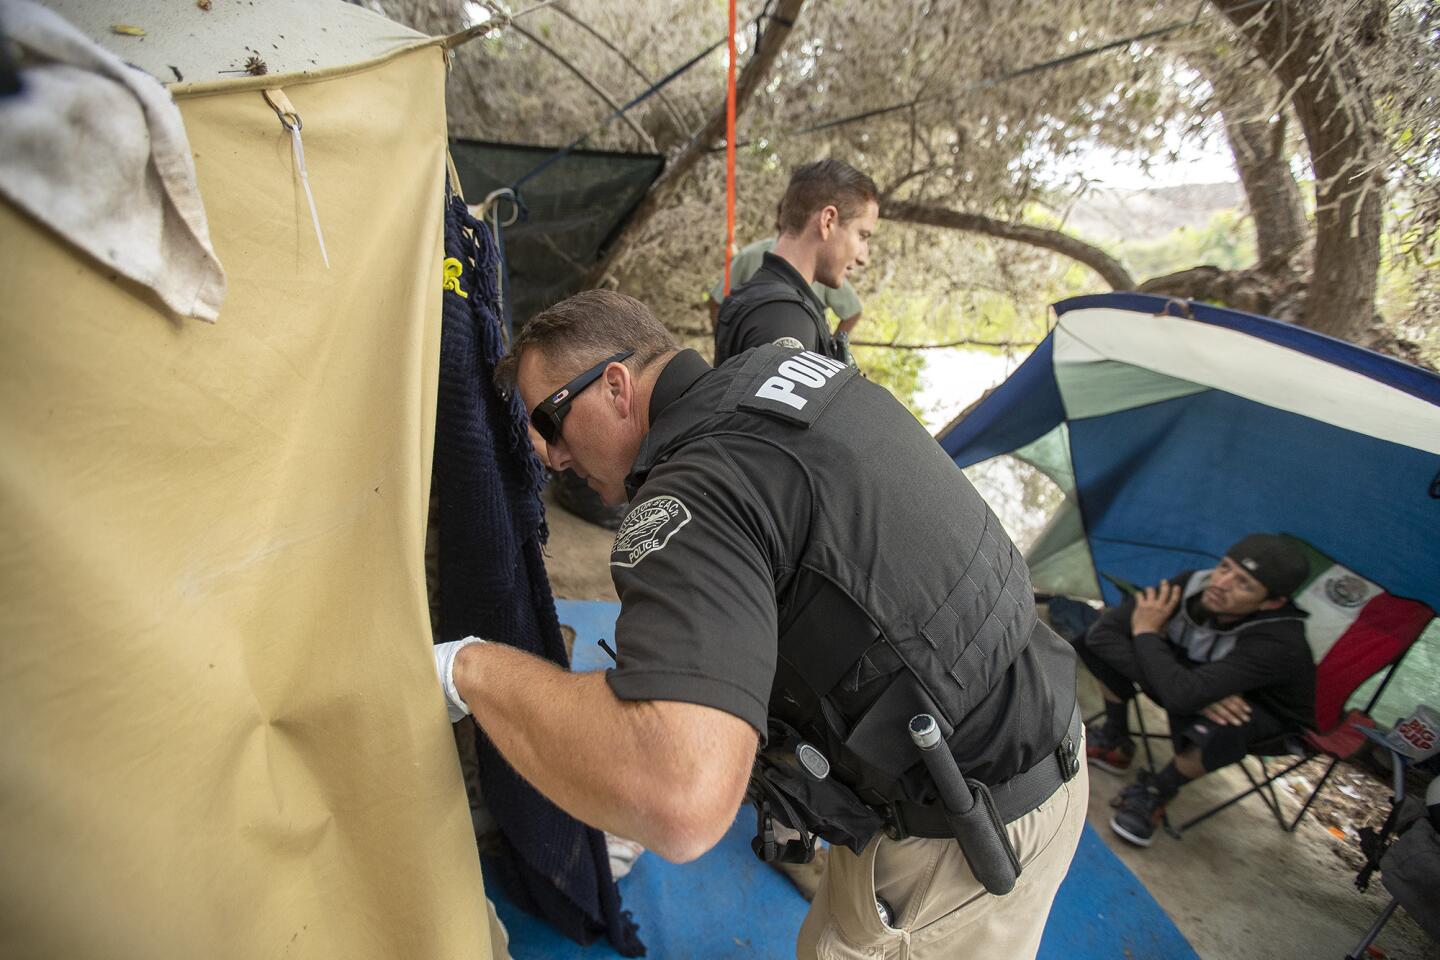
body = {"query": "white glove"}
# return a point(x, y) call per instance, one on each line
point(445, 670)
point(623, 854)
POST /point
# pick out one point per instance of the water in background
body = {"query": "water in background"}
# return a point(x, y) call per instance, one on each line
point(953, 379)
point(1023, 498)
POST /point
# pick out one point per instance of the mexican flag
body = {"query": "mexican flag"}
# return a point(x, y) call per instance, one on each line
point(1354, 629)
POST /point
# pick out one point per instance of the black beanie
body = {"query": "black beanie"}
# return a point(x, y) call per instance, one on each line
point(1275, 561)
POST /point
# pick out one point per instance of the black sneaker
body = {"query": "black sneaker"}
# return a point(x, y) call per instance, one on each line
point(1109, 752)
point(1140, 811)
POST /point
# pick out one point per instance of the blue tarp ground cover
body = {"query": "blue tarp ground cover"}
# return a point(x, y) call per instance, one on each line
point(729, 905)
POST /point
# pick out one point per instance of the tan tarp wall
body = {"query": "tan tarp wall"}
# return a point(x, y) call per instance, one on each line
point(222, 731)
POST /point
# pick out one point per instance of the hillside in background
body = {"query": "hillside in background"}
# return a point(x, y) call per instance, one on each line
point(1115, 214)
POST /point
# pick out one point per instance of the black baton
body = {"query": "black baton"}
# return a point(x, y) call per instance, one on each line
point(969, 810)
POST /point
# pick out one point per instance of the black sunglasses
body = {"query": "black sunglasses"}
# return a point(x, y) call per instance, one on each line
point(550, 412)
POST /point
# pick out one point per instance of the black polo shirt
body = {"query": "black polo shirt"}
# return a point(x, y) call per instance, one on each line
point(786, 323)
point(738, 521)
point(695, 566)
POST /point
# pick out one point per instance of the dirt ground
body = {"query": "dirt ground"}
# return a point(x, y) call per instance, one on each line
point(1237, 886)
point(577, 558)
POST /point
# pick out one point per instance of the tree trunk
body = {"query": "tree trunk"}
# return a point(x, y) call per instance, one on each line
point(1112, 271)
point(1258, 145)
point(775, 30)
point(1336, 116)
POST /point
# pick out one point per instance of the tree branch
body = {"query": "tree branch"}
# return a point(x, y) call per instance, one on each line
point(1268, 292)
point(774, 32)
point(890, 345)
point(661, 95)
point(1112, 271)
point(1333, 105)
point(1244, 95)
point(890, 189)
point(594, 88)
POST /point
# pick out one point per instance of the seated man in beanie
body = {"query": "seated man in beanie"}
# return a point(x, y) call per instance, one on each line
point(1223, 651)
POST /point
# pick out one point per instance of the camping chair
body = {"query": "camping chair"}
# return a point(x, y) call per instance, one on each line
point(1407, 852)
point(1356, 631)
point(1378, 642)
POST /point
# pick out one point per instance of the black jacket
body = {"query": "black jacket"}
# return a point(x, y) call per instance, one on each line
point(1271, 664)
point(776, 306)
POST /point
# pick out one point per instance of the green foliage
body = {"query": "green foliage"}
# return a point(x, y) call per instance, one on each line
point(1408, 289)
point(1017, 312)
point(887, 317)
point(896, 370)
point(893, 316)
point(968, 139)
point(1226, 241)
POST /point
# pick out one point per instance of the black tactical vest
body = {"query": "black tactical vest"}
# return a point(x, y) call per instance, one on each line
point(733, 319)
point(906, 597)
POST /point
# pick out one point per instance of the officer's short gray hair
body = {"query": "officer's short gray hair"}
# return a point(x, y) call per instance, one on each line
point(585, 329)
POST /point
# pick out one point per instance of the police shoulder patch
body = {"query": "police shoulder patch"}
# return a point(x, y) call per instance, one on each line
point(792, 386)
point(647, 528)
point(790, 343)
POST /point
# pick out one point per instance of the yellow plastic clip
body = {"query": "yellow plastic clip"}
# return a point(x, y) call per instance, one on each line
point(453, 269)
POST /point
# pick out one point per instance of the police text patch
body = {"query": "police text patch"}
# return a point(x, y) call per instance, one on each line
point(647, 528)
point(795, 387)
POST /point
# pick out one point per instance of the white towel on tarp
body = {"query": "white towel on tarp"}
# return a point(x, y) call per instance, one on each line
point(96, 150)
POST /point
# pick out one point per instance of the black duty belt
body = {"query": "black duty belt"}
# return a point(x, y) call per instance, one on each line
point(1013, 798)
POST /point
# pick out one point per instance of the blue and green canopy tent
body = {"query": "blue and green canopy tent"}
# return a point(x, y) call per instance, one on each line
point(1173, 428)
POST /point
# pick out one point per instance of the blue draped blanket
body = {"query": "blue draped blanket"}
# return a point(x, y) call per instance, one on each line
point(493, 584)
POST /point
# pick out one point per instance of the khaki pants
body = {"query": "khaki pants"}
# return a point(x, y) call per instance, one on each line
point(939, 907)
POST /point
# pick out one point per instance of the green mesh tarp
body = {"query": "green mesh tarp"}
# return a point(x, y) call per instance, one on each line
point(573, 208)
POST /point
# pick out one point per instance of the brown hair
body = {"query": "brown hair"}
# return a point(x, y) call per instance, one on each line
point(825, 183)
point(585, 329)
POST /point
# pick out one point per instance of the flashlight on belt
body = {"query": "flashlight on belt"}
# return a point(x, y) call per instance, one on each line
point(969, 810)
point(954, 791)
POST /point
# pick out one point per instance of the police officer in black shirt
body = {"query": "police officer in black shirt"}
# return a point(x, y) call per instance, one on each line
point(825, 221)
point(802, 571)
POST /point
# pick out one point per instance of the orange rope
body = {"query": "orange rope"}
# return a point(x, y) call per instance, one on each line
point(730, 152)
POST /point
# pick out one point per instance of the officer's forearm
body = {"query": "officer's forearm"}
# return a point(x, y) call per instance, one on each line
point(613, 764)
